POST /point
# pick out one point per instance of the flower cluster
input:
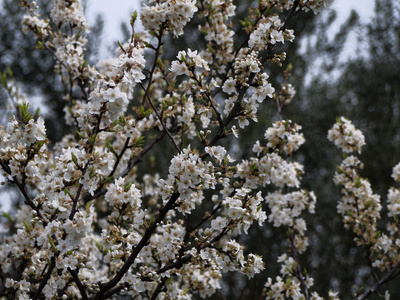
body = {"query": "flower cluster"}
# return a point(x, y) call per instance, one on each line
point(247, 66)
point(359, 204)
point(218, 32)
point(168, 15)
point(314, 5)
point(284, 136)
point(346, 136)
point(360, 207)
point(188, 61)
point(189, 175)
point(269, 32)
point(69, 13)
point(113, 89)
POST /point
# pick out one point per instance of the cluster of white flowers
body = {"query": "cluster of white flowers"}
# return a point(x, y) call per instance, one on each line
point(69, 13)
point(188, 61)
point(69, 51)
point(189, 175)
point(167, 15)
point(246, 66)
point(112, 90)
point(219, 153)
point(32, 22)
point(69, 48)
point(359, 203)
point(244, 210)
point(346, 136)
point(125, 201)
point(216, 30)
point(360, 207)
point(269, 32)
point(284, 136)
point(286, 208)
point(314, 5)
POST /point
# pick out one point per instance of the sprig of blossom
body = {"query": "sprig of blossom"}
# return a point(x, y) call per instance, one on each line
point(346, 136)
point(171, 14)
point(269, 32)
point(360, 207)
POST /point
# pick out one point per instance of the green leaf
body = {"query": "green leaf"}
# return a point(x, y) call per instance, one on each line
point(127, 187)
point(140, 141)
point(357, 184)
point(122, 48)
point(92, 139)
point(111, 148)
point(134, 17)
point(53, 246)
point(245, 22)
point(26, 116)
point(159, 62)
point(27, 228)
point(7, 215)
point(122, 120)
point(109, 179)
point(169, 281)
point(74, 158)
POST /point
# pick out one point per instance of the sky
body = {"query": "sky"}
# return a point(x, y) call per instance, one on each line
point(115, 11)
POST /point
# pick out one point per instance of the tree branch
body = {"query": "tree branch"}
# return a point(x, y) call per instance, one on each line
point(104, 287)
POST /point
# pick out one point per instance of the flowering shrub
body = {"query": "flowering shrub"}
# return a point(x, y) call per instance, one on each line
point(93, 226)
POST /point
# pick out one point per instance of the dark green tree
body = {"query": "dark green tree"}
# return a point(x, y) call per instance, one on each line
point(364, 88)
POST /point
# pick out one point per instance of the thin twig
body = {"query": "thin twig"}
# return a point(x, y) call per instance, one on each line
point(162, 123)
point(104, 287)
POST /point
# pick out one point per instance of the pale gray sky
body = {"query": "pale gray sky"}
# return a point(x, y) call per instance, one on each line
point(115, 11)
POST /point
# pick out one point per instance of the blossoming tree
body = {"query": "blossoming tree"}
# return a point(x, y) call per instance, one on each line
point(95, 226)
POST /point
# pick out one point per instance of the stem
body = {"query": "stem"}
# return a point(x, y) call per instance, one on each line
point(22, 188)
point(298, 268)
point(45, 279)
point(159, 37)
point(104, 287)
point(395, 271)
point(162, 123)
point(78, 283)
point(101, 191)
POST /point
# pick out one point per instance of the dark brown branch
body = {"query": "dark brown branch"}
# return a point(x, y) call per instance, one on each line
point(159, 288)
point(157, 54)
point(101, 191)
point(104, 287)
point(394, 272)
point(162, 123)
point(78, 283)
point(22, 188)
point(299, 274)
point(45, 278)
